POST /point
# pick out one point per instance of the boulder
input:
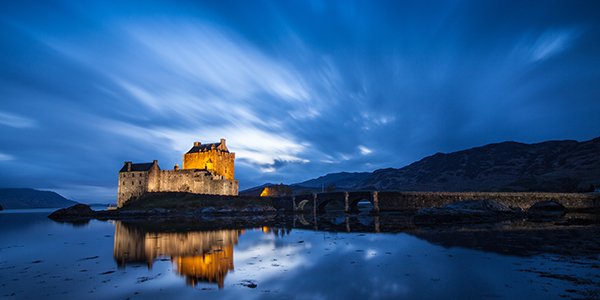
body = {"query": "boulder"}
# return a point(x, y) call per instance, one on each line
point(77, 211)
point(469, 211)
point(208, 210)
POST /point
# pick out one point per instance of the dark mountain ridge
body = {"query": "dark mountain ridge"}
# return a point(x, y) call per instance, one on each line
point(551, 166)
point(21, 198)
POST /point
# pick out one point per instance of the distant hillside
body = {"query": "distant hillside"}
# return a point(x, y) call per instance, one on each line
point(340, 180)
point(30, 198)
point(553, 166)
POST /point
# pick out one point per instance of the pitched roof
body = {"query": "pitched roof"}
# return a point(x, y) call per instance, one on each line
point(205, 147)
point(137, 167)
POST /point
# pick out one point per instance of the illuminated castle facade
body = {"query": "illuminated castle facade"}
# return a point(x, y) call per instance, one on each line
point(199, 256)
point(207, 169)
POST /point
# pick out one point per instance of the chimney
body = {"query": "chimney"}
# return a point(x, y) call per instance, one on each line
point(128, 164)
point(196, 144)
point(223, 142)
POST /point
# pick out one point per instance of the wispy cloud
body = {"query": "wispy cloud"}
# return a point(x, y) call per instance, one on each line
point(252, 145)
point(364, 150)
point(551, 43)
point(220, 60)
point(6, 157)
point(16, 121)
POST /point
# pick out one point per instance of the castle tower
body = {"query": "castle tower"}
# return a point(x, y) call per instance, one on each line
point(214, 157)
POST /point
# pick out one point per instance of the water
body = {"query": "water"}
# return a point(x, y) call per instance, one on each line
point(40, 258)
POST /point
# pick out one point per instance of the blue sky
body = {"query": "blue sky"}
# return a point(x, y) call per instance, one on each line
point(298, 88)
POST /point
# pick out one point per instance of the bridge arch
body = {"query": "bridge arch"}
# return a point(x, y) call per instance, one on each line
point(325, 200)
point(355, 197)
point(302, 204)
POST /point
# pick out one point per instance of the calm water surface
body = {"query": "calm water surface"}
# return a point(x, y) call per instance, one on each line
point(40, 258)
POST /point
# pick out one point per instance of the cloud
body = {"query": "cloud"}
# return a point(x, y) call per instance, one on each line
point(551, 43)
point(16, 121)
point(220, 60)
point(6, 157)
point(251, 144)
point(364, 150)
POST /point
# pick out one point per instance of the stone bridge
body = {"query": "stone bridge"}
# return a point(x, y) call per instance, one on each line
point(396, 201)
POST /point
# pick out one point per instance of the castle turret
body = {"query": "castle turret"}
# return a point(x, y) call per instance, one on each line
point(214, 157)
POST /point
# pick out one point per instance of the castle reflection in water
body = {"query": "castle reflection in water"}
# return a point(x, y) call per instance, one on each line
point(199, 256)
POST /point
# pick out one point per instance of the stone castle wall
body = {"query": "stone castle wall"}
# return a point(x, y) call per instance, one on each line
point(216, 161)
point(131, 185)
point(192, 181)
point(134, 184)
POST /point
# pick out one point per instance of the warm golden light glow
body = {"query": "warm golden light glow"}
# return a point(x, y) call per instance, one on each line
point(276, 191)
point(202, 256)
point(210, 267)
point(215, 158)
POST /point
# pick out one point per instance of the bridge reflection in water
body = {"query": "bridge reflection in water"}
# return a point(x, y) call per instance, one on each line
point(201, 255)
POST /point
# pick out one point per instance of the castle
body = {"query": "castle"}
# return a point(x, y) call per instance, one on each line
point(207, 169)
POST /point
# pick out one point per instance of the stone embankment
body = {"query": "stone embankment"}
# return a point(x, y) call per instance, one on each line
point(189, 205)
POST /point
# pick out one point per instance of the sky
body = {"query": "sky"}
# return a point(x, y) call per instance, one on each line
point(298, 88)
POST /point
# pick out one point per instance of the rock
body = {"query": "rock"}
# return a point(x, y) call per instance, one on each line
point(77, 211)
point(258, 209)
point(208, 210)
point(469, 211)
point(158, 211)
point(249, 283)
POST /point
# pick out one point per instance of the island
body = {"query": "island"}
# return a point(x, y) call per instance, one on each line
point(205, 186)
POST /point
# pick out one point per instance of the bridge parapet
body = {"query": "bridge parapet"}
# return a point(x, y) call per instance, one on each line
point(389, 201)
point(398, 201)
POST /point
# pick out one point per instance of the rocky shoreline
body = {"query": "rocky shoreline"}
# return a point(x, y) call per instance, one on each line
point(462, 212)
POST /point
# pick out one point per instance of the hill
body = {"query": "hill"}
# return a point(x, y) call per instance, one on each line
point(29, 198)
point(552, 166)
point(340, 180)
